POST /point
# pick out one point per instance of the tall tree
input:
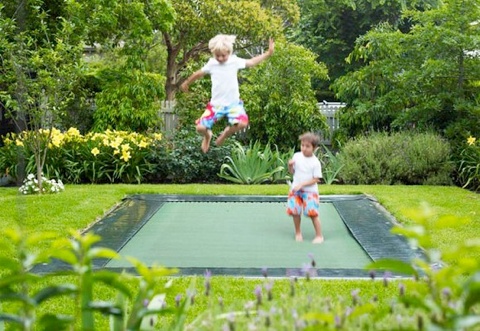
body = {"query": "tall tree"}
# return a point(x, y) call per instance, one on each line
point(330, 27)
point(253, 21)
point(426, 78)
point(39, 64)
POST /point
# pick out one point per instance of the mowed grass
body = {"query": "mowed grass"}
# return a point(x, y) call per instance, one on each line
point(79, 206)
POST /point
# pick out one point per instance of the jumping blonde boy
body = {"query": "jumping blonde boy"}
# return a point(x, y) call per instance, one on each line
point(225, 95)
point(303, 194)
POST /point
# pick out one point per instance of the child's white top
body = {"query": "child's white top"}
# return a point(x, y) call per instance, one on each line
point(306, 168)
point(224, 80)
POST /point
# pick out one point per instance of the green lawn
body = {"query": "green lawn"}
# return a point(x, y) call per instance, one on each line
point(81, 205)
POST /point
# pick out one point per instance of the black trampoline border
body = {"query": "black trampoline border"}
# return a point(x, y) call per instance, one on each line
point(398, 249)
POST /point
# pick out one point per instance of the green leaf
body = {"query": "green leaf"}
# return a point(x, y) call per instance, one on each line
point(53, 291)
point(56, 322)
point(114, 280)
point(11, 318)
point(100, 252)
point(472, 292)
point(393, 266)
point(106, 308)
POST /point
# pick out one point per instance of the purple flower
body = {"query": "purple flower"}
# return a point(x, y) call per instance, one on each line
point(208, 275)
point(401, 289)
point(178, 298)
point(447, 293)
point(264, 272)
point(258, 294)
point(268, 288)
point(248, 306)
point(338, 322)
point(308, 271)
point(355, 297)
point(386, 276)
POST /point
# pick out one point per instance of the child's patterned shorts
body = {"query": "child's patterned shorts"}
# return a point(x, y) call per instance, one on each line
point(235, 113)
point(301, 200)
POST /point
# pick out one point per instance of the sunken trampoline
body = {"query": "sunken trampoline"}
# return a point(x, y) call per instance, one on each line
point(243, 235)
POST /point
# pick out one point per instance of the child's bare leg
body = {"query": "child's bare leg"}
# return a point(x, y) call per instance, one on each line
point(318, 230)
point(207, 137)
point(298, 232)
point(230, 130)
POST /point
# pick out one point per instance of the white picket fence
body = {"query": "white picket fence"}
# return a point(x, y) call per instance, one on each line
point(328, 109)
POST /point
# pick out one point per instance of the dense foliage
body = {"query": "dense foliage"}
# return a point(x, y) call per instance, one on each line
point(425, 79)
point(401, 158)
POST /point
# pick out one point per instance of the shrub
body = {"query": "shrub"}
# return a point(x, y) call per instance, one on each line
point(180, 159)
point(399, 158)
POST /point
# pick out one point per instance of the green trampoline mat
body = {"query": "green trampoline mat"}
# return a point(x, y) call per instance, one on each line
point(239, 235)
point(243, 235)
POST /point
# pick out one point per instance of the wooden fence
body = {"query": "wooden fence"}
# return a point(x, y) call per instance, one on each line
point(328, 109)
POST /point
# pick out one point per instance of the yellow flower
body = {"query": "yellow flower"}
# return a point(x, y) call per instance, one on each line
point(18, 142)
point(95, 151)
point(471, 140)
point(116, 143)
point(142, 144)
point(125, 155)
point(73, 132)
point(126, 147)
point(57, 140)
point(157, 136)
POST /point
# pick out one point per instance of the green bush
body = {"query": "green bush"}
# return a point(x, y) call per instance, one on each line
point(399, 158)
point(181, 160)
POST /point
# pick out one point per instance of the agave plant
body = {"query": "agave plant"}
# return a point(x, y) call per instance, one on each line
point(252, 165)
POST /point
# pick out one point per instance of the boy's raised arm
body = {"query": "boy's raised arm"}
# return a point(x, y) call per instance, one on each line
point(193, 77)
point(259, 58)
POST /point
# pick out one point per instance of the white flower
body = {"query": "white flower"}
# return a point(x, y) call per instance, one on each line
point(30, 185)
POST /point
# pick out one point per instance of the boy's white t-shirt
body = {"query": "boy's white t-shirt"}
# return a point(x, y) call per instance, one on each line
point(306, 168)
point(225, 89)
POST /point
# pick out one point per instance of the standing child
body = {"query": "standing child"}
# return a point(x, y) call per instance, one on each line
point(225, 96)
point(303, 195)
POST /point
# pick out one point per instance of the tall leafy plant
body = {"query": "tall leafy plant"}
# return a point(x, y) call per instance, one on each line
point(252, 165)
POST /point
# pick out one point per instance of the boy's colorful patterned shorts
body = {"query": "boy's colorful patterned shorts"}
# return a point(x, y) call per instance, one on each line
point(235, 113)
point(301, 200)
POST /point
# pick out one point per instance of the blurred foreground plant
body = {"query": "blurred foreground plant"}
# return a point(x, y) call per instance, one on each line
point(447, 290)
point(78, 252)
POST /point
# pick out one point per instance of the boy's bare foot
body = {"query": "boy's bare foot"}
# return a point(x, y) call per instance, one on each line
point(298, 237)
point(222, 137)
point(317, 240)
point(206, 141)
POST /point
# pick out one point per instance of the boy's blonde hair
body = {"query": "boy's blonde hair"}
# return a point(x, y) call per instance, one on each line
point(222, 42)
point(311, 137)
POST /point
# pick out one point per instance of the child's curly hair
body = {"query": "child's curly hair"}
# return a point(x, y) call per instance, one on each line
point(222, 42)
point(311, 137)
